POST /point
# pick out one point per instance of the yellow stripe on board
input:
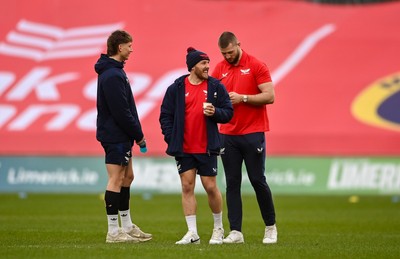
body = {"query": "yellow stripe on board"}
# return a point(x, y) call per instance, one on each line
point(365, 105)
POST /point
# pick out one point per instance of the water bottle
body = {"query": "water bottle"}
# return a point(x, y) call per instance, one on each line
point(143, 148)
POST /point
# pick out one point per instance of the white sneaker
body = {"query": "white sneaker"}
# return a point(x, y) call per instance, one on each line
point(234, 237)
point(217, 236)
point(138, 234)
point(189, 238)
point(120, 237)
point(271, 235)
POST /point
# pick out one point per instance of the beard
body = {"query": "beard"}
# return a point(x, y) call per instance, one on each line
point(233, 60)
point(201, 73)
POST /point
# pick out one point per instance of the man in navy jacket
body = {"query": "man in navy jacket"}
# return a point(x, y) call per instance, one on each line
point(190, 112)
point(118, 127)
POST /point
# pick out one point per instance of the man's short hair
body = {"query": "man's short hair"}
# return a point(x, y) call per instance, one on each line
point(226, 38)
point(115, 39)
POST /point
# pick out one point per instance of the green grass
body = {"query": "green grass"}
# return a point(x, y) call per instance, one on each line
point(74, 226)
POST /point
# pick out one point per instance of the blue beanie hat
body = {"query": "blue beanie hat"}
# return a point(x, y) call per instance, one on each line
point(194, 56)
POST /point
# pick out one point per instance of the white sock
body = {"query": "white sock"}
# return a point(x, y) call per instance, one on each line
point(126, 221)
point(218, 220)
point(112, 224)
point(191, 223)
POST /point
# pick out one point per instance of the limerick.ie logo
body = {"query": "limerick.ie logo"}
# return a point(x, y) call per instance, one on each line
point(379, 104)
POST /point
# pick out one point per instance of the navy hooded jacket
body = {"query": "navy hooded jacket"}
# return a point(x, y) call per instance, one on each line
point(172, 115)
point(117, 117)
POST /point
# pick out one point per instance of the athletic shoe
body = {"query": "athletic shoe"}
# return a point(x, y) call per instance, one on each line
point(234, 237)
point(271, 235)
point(217, 236)
point(138, 234)
point(120, 237)
point(189, 238)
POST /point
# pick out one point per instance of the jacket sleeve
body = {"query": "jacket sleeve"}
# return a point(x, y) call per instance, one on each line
point(167, 114)
point(118, 103)
point(223, 107)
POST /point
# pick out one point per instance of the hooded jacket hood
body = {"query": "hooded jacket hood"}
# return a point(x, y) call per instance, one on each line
point(105, 62)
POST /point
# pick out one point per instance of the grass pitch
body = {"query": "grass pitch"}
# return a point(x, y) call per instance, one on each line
point(74, 226)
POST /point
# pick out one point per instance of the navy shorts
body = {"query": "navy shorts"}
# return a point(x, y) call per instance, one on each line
point(206, 165)
point(118, 153)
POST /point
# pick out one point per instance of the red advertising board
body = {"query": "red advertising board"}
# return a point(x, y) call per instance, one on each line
point(335, 69)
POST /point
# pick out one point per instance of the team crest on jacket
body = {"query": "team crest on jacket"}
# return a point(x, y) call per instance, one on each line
point(379, 104)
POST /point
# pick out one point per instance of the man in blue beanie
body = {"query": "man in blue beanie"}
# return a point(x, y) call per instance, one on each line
point(190, 112)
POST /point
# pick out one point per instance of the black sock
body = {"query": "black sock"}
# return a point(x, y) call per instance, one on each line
point(112, 200)
point(124, 198)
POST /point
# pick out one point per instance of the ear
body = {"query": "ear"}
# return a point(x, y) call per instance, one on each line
point(238, 43)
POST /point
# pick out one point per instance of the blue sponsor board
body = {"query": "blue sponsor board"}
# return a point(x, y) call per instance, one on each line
point(52, 174)
point(285, 175)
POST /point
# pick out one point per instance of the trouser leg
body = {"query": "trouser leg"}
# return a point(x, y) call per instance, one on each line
point(232, 160)
point(254, 157)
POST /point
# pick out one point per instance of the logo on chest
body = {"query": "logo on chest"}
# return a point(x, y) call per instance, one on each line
point(204, 93)
point(245, 71)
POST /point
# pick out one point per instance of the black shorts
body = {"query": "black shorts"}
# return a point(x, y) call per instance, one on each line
point(117, 153)
point(206, 165)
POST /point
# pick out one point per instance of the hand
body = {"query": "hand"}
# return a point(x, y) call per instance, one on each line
point(235, 97)
point(209, 110)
